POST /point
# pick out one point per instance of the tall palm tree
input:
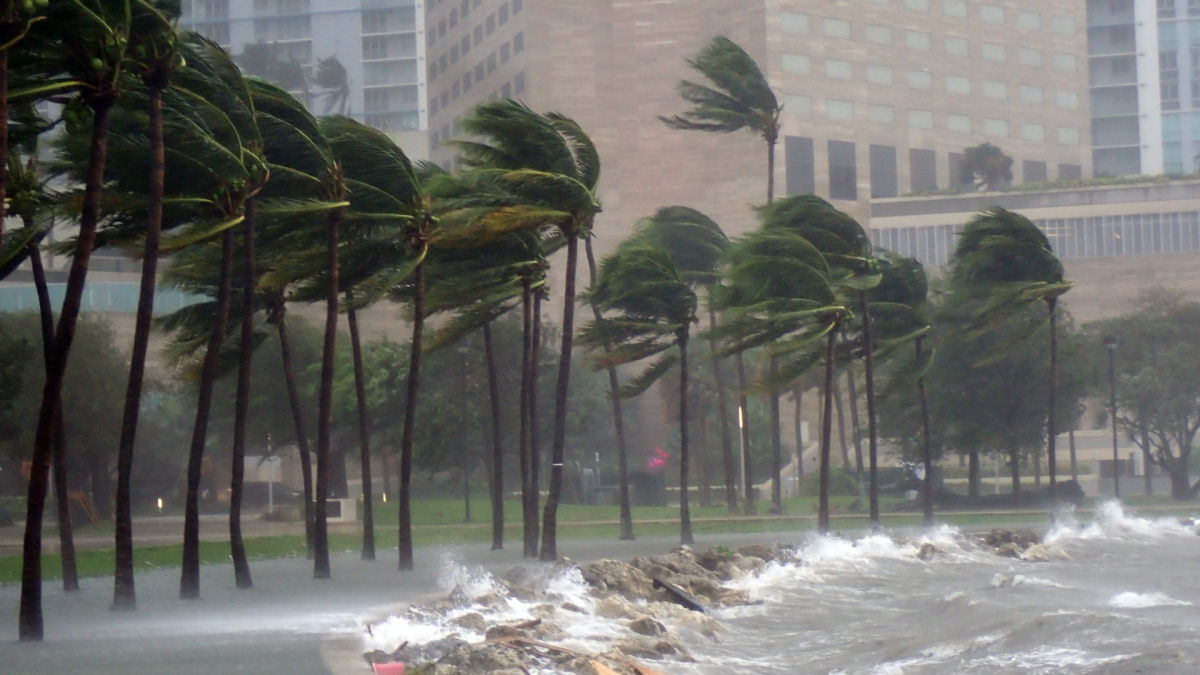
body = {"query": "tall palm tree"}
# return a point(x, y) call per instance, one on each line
point(551, 165)
point(654, 309)
point(83, 52)
point(156, 39)
point(1005, 262)
point(15, 21)
point(696, 245)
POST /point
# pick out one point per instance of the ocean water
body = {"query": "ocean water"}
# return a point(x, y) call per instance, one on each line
point(1121, 595)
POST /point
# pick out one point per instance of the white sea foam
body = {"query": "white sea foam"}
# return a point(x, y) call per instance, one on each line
point(1132, 600)
point(1111, 521)
point(1049, 659)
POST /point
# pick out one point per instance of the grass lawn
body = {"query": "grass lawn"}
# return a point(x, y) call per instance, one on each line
point(440, 521)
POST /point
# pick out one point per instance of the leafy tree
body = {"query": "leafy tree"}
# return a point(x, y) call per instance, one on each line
point(985, 167)
point(654, 311)
point(1158, 384)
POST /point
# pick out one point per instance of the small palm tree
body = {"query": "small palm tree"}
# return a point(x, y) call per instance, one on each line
point(654, 309)
point(1005, 262)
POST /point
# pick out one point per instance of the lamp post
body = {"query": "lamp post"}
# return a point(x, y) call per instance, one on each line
point(742, 454)
point(1110, 343)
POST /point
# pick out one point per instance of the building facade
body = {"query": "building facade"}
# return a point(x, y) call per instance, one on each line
point(1144, 62)
point(880, 97)
point(377, 44)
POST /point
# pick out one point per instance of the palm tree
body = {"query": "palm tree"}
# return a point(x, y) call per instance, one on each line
point(331, 77)
point(15, 21)
point(83, 52)
point(696, 245)
point(550, 164)
point(1005, 262)
point(156, 39)
point(388, 193)
point(654, 311)
point(736, 97)
point(782, 295)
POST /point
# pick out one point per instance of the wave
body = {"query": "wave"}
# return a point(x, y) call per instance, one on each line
point(1132, 600)
point(1112, 522)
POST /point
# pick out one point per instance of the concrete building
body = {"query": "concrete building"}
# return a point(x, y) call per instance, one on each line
point(1115, 241)
point(1144, 63)
point(880, 96)
point(377, 42)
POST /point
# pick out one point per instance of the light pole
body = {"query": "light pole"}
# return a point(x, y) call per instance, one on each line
point(742, 453)
point(1110, 343)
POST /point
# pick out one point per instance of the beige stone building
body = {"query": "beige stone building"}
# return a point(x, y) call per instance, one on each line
point(880, 97)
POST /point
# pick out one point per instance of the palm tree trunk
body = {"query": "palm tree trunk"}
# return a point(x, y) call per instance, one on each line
point(770, 170)
point(558, 442)
point(1014, 470)
point(798, 422)
point(744, 424)
point(702, 454)
point(124, 593)
point(3, 136)
point(776, 445)
point(1149, 484)
point(926, 443)
point(685, 513)
point(535, 432)
point(364, 431)
point(30, 617)
point(497, 492)
point(855, 436)
point(872, 432)
point(1051, 426)
point(974, 479)
point(410, 413)
point(614, 389)
point(325, 401)
point(723, 418)
point(529, 516)
point(289, 378)
point(826, 438)
point(189, 578)
point(237, 547)
point(841, 422)
point(62, 492)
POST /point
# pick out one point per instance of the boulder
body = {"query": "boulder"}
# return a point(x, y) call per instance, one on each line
point(505, 630)
point(1044, 553)
point(759, 551)
point(615, 607)
point(472, 621)
point(624, 578)
point(646, 626)
point(927, 551)
point(486, 658)
point(430, 651)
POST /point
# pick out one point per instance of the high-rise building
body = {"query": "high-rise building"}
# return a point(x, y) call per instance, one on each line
point(361, 58)
point(880, 97)
point(1144, 60)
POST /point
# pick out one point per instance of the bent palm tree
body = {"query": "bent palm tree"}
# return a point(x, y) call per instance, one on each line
point(654, 311)
point(1004, 261)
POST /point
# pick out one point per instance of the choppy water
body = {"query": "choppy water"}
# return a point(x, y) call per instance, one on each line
point(1127, 600)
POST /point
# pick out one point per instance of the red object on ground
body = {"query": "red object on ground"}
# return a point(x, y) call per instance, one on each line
point(394, 668)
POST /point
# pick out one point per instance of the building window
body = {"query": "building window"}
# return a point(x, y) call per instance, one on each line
point(881, 114)
point(1029, 56)
point(843, 171)
point(1065, 62)
point(956, 84)
point(879, 74)
point(957, 46)
point(800, 106)
point(478, 35)
point(1069, 172)
point(916, 39)
point(454, 54)
point(955, 8)
point(920, 119)
point(468, 80)
point(454, 91)
point(795, 63)
point(922, 170)
point(517, 5)
point(883, 171)
point(1031, 94)
point(918, 79)
point(504, 53)
point(993, 89)
point(519, 42)
point(995, 127)
point(838, 69)
point(1066, 99)
point(1067, 136)
point(1033, 132)
point(878, 35)
point(479, 71)
point(466, 45)
point(1033, 172)
point(503, 14)
point(453, 18)
point(794, 22)
point(1169, 92)
point(839, 110)
point(490, 24)
point(916, 5)
point(956, 161)
point(798, 165)
point(1166, 9)
point(836, 28)
point(959, 124)
point(491, 63)
point(1064, 25)
point(505, 90)
point(519, 82)
point(991, 13)
point(993, 51)
point(1027, 18)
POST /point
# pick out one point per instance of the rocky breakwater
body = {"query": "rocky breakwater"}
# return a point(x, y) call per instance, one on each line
point(605, 617)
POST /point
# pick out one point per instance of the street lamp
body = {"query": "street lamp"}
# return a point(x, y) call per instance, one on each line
point(1110, 343)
